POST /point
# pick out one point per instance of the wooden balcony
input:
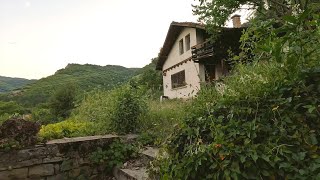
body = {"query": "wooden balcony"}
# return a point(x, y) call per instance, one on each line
point(202, 51)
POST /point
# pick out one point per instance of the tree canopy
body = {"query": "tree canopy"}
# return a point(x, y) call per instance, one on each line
point(215, 13)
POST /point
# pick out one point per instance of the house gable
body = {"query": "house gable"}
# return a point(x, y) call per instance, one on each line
point(188, 58)
point(181, 76)
point(174, 31)
point(174, 55)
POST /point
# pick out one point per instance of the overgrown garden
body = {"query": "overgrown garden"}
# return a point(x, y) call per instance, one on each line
point(264, 122)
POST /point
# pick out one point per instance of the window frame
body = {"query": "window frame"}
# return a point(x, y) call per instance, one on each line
point(181, 46)
point(178, 79)
point(187, 42)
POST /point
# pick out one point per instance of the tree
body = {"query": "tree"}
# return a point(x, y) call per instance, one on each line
point(149, 80)
point(62, 102)
point(11, 107)
point(150, 77)
point(215, 13)
point(272, 19)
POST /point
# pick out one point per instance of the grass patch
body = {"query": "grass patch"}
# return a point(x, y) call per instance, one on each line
point(162, 118)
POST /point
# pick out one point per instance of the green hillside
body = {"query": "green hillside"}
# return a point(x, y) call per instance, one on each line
point(85, 77)
point(9, 84)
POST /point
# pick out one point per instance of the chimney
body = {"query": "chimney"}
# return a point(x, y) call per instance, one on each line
point(236, 21)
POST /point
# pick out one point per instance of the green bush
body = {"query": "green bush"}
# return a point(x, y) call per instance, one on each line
point(109, 109)
point(97, 107)
point(4, 117)
point(129, 105)
point(104, 108)
point(101, 112)
point(263, 121)
point(68, 128)
point(43, 115)
point(114, 155)
point(11, 107)
point(273, 136)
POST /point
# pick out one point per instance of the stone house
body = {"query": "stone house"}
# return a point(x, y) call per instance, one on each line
point(188, 59)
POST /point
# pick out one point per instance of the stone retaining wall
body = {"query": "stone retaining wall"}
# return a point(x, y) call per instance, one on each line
point(55, 160)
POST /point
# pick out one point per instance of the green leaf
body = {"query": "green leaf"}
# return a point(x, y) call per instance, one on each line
point(242, 158)
point(235, 167)
point(290, 19)
point(302, 155)
point(313, 139)
point(284, 165)
point(265, 173)
point(254, 156)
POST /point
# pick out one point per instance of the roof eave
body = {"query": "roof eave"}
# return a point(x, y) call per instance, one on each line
point(173, 32)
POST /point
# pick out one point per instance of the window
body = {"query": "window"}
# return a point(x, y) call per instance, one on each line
point(178, 79)
point(187, 39)
point(181, 49)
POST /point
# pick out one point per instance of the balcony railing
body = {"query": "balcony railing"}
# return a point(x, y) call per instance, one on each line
point(201, 51)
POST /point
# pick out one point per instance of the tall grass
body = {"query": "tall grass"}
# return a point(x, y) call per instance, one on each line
point(162, 118)
point(94, 116)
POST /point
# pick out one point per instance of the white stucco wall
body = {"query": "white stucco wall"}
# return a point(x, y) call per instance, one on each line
point(192, 81)
point(174, 56)
point(193, 72)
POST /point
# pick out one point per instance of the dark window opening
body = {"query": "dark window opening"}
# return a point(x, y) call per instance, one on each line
point(178, 79)
point(187, 42)
point(181, 49)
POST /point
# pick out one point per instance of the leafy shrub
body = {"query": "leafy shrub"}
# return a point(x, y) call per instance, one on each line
point(263, 123)
point(146, 139)
point(115, 111)
point(4, 117)
point(129, 105)
point(68, 128)
point(19, 131)
point(97, 107)
point(149, 80)
point(43, 115)
point(161, 120)
point(113, 155)
point(274, 136)
point(11, 107)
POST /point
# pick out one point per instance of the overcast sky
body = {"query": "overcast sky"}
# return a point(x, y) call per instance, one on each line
point(38, 37)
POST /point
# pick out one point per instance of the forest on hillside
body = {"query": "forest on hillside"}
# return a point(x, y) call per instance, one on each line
point(67, 88)
point(8, 84)
point(82, 77)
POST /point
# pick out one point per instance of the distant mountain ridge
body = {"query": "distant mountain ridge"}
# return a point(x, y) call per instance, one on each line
point(11, 83)
point(86, 77)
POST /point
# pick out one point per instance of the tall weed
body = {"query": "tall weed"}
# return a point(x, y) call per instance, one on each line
point(162, 119)
point(128, 106)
